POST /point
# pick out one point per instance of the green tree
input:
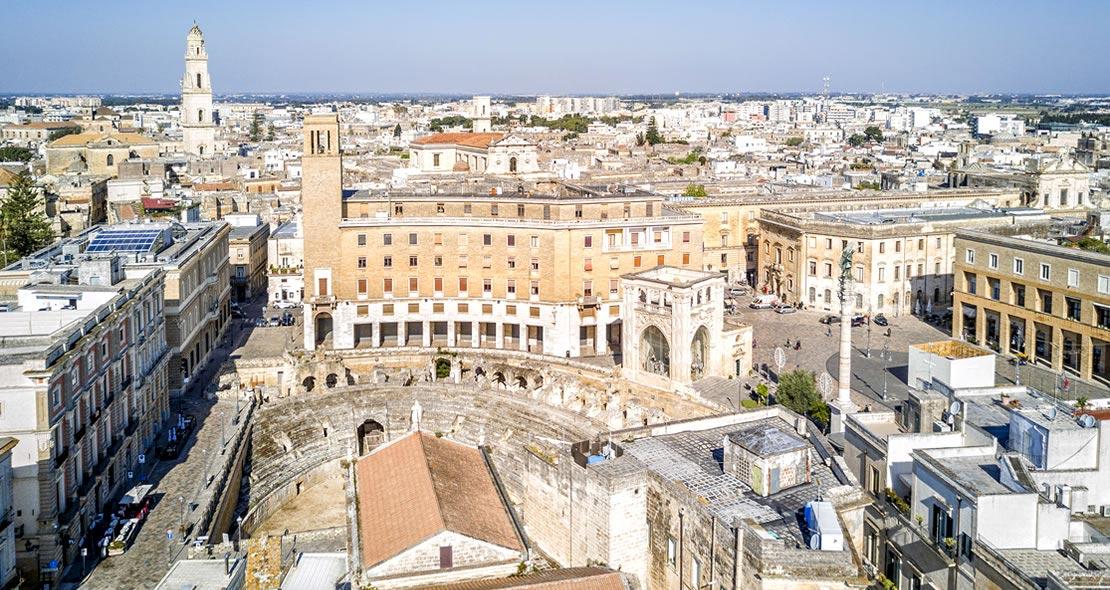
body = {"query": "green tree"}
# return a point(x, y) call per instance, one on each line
point(873, 133)
point(256, 127)
point(798, 391)
point(64, 131)
point(11, 153)
point(652, 136)
point(640, 139)
point(23, 225)
point(695, 190)
point(438, 125)
point(397, 130)
point(270, 132)
point(856, 140)
point(793, 141)
point(761, 392)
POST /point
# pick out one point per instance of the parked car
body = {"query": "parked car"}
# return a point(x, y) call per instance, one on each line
point(236, 312)
point(858, 320)
point(764, 302)
point(170, 450)
point(830, 319)
point(739, 291)
point(880, 320)
point(274, 322)
point(287, 319)
point(284, 305)
point(260, 322)
point(784, 309)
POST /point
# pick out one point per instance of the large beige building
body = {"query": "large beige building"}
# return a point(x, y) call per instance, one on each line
point(1052, 184)
point(98, 153)
point(732, 226)
point(1030, 297)
point(902, 261)
point(84, 367)
point(482, 153)
point(517, 271)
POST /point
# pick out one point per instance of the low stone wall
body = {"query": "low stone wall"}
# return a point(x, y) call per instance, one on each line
point(262, 508)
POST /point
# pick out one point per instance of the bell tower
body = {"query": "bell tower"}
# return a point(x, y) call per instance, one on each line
point(196, 97)
point(322, 204)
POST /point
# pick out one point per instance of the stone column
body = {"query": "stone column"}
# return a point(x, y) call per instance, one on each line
point(523, 344)
point(426, 334)
point(601, 341)
point(499, 335)
point(981, 325)
point(843, 405)
point(376, 334)
point(1029, 339)
point(451, 333)
point(402, 333)
point(1004, 332)
point(1057, 349)
point(1086, 346)
point(475, 334)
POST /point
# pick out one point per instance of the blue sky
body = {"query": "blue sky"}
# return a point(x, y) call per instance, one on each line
point(562, 46)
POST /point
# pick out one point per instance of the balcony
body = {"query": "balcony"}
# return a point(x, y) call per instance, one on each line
point(61, 457)
point(278, 271)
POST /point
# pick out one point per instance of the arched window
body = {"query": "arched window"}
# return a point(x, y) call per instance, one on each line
point(200, 115)
point(198, 75)
point(655, 352)
point(110, 159)
point(512, 164)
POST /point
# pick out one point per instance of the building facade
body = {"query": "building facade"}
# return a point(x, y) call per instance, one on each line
point(518, 271)
point(285, 256)
point(85, 366)
point(196, 97)
point(247, 253)
point(1032, 298)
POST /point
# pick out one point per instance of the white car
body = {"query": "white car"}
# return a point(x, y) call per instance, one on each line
point(285, 305)
point(785, 309)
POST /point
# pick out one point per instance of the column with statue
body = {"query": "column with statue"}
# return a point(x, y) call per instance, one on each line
point(843, 405)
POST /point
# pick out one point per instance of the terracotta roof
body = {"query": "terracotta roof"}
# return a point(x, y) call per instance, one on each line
point(212, 187)
point(155, 204)
point(479, 140)
point(572, 578)
point(7, 177)
point(80, 139)
point(419, 485)
point(45, 125)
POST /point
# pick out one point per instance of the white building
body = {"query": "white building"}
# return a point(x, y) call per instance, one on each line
point(7, 513)
point(1000, 124)
point(285, 253)
point(196, 97)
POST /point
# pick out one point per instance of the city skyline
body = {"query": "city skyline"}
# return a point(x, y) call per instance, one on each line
point(500, 48)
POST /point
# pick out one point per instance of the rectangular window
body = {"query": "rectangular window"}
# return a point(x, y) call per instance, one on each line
point(437, 260)
point(437, 239)
point(487, 239)
point(362, 239)
point(992, 260)
point(413, 261)
point(636, 261)
point(1074, 308)
point(614, 285)
point(511, 262)
point(439, 208)
point(387, 262)
point(1073, 277)
point(685, 237)
point(487, 262)
point(695, 574)
point(882, 247)
point(463, 287)
point(520, 210)
point(463, 260)
point(510, 240)
point(881, 274)
point(969, 256)
point(412, 239)
point(535, 264)
point(464, 240)
point(414, 284)
point(493, 209)
point(467, 208)
point(587, 241)
point(535, 241)
point(362, 286)
point(387, 285)
point(686, 258)
point(446, 557)
point(487, 286)
point(438, 282)
point(1104, 284)
point(1046, 301)
point(387, 240)
point(1046, 272)
point(1019, 266)
point(534, 289)
point(587, 288)
point(672, 552)
point(362, 262)
point(588, 264)
point(510, 287)
point(578, 211)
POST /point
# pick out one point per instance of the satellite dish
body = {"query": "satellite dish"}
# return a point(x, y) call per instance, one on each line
point(1051, 413)
point(1087, 421)
point(815, 541)
point(955, 407)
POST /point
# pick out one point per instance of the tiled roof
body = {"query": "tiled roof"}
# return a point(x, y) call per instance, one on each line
point(420, 485)
point(479, 140)
point(45, 125)
point(573, 578)
point(80, 139)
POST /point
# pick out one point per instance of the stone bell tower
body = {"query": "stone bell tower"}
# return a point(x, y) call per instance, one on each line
point(196, 97)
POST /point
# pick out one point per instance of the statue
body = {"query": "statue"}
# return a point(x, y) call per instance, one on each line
point(845, 272)
point(416, 414)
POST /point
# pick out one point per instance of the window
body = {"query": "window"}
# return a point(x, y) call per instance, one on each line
point(362, 262)
point(686, 258)
point(920, 243)
point(969, 278)
point(510, 287)
point(1104, 284)
point(1102, 317)
point(828, 269)
point(413, 261)
point(828, 243)
point(464, 240)
point(487, 239)
point(882, 247)
point(898, 246)
point(969, 256)
point(672, 552)
point(587, 288)
point(1019, 295)
point(1046, 301)
point(1019, 266)
point(695, 574)
point(398, 208)
point(897, 272)
point(535, 240)
point(437, 239)
point(414, 284)
point(588, 241)
point(463, 260)
point(636, 261)
point(387, 285)
point(1074, 308)
point(487, 286)
point(362, 239)
point(881, 274)
point(387, 240)
point(446, 557)
point(467, 208)
point(992, 260)
point(614, 284)
point(435, 160)
point(520, 210)
point(493, 209)
point(387, 262)
point(437, 260)
point(1073, 277)
point(578, 211)
point(438, 284)
point(511, 262)
point(510, 240)
point(685, 237)
point(535, 264)
point(362, 286)
point(1046, 272)
point(534, 289)
point(412, 239)
point(588, 264)
point(439, 208)
point(463, 287)
point(487, 262)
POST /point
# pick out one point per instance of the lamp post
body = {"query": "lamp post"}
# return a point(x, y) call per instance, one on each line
point(239, 532)
point(885, 356)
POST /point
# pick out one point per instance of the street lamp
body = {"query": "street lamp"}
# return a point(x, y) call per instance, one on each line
point(885, 356)
point(239, 532)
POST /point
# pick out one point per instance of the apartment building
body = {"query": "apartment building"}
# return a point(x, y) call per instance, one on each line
point(85, 367)
point(8, 571)
point(902, 259)
point(540, 273)
point(247, 254)
point(1034, 298)
point(732, 225)
point(285, 255)
point(194, 259)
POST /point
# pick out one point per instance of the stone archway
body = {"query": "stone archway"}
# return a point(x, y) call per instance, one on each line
point(323, 327)
point(370, 434)
point(309, 383)
point(655, 352)
point(521, 382)
point(699, 354)
point(331, 380)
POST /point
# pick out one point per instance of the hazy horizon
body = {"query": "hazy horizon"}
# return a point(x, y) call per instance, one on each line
point(576, 47)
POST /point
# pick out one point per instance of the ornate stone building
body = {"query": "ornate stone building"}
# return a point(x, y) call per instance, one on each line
point(196, 97)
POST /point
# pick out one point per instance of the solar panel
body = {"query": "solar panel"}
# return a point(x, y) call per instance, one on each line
point(130, 240)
